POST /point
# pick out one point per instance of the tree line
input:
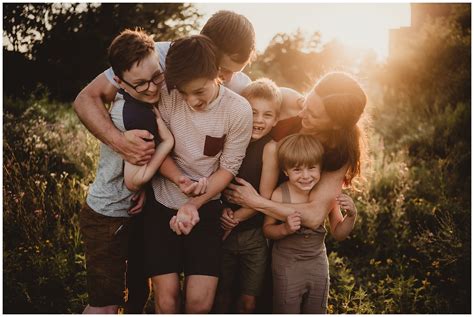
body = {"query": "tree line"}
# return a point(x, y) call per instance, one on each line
point(63, 46)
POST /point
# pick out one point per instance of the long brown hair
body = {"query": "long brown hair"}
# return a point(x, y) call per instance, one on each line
point(344, 101)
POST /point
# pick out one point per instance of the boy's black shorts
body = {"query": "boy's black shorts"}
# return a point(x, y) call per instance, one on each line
point(195, 254)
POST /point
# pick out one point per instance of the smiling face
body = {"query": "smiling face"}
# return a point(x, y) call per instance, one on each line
point(140, 73)
point(199, 93)
point(264, 117)
point(314, 116)
point(303, 178)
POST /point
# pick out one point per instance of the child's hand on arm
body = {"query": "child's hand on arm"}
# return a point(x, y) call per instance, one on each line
point(138, 201)
point(293, 223)
point(228, 222)
point(341, 226)
point(273, 230)
point(192, 188)
point(227, 219)
point(346, 203)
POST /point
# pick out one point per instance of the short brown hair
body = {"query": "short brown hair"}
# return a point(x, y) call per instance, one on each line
point(232, 33)
point(128, 48)
point(299, 150)
point(264, 88)
point(190, 58)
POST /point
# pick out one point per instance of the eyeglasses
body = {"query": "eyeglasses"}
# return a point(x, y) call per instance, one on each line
point(158, 79)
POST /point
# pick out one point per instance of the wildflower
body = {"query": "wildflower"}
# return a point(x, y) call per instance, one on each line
point(425, 283)
point(330, 308)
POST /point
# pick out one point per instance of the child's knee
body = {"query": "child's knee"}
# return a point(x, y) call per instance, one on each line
point(167, 303)
point(247, 304)
point(166, 300)
point(198, 305)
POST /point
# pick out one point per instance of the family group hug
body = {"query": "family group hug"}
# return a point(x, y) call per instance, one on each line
point(206, 177)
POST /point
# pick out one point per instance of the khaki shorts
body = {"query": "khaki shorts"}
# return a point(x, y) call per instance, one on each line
point(244, 257)
point(106, 245)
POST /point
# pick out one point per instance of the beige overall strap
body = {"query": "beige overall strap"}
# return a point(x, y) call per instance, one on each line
point(285, 193)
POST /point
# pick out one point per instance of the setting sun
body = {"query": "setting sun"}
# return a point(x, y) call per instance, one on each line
point(362, 26)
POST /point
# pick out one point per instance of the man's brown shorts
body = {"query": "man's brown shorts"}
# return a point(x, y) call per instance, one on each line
point(106, 245)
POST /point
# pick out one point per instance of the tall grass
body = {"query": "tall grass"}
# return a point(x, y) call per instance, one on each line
point(48, 162)
point(409, 251)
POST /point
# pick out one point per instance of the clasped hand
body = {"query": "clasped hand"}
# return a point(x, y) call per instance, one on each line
point(184, 221)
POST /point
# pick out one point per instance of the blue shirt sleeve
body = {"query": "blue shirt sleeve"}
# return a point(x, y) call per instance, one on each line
point(140, 116)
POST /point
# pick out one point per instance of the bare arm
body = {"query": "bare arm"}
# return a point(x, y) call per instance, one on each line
point(170, 170)
point(270, 170)
point(90, 108)
point(136, 176)
point(268, 180)
point(313, 213)
point(271, 230)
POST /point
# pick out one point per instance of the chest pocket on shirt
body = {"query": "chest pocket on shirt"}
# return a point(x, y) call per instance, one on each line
point(213, 145)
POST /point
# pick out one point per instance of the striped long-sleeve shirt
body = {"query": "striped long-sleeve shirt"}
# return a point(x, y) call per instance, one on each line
point(204, 140)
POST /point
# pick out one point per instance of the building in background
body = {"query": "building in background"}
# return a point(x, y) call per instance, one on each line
point(420, 13)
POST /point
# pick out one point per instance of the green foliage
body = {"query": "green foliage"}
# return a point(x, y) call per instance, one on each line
point(64, 45)
point(47, 163)
point(296, 61)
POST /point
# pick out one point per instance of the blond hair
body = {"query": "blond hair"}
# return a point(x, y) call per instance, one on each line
point(300, 150)
point(264, 88)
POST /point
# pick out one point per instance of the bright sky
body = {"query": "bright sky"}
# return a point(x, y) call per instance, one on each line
point(359, 25)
